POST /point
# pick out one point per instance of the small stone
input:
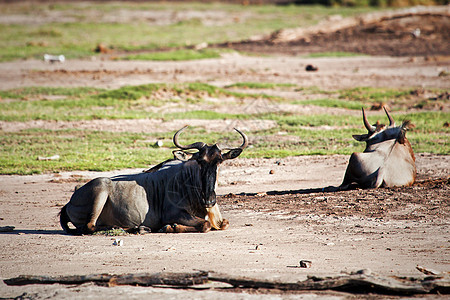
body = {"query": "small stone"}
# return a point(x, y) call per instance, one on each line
point(201, 46)
point(305, 263)
point(427, 271)
point(118, 242)
point(54, 157)
point(311, 68)
point(101, 48)
point(271, 172)
point(362, 272)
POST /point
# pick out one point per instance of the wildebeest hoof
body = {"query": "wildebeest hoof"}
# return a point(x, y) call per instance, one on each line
point(225, 224)
point(167, 229)
point(330, 189)
point(206, 226)
point(91, 227)
point(171, 228)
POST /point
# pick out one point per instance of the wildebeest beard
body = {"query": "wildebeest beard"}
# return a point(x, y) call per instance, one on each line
point(193, 188)
point(209, 176)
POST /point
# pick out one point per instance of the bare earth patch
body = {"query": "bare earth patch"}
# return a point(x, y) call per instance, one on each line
point(141, 125)
point(276, 220)
point(332, 74)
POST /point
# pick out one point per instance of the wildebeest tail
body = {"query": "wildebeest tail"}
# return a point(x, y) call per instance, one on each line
point(64, 221)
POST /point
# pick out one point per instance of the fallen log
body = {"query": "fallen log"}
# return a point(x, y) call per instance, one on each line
point(353, 283)
point(168, 279)
point(71, 279)
point(142, 279)
point(359, 282)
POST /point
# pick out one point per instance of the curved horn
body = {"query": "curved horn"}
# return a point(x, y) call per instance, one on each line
point(369, 127)
point(391, 120)
point(197, 145)
point(245, 139)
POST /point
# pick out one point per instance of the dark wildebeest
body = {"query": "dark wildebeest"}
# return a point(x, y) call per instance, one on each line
point(388, 159)
point(175, 196)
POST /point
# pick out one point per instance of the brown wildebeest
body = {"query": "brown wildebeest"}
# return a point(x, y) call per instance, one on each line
point(388, 159)
point(175, 196)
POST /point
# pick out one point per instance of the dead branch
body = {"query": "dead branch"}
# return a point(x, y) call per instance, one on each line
point(355, 283)
point(171, 279)
point(71, 279)
point(359, 282)
point(144, 279)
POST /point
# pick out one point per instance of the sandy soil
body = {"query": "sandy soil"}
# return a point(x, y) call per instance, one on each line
point(276, 219)
point(334, 73)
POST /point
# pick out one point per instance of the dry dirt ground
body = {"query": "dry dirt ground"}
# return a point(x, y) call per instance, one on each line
point(276, 219)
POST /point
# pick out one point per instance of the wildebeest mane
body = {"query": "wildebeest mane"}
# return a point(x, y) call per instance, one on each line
point(158, 166)
point(185, 188)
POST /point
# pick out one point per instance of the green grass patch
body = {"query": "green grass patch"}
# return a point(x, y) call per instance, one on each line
point(295, 134)
point(112, 232)
point(396, 99)
point(290, 121)
point(174, 55)
point(91, 150)
point(26, 93)
point(374, 95)
point(69, 37)
point(78, 150)
point(332, 103)
point(128, 102)
point(205, 115)
point(260, 85)
point(103, 151)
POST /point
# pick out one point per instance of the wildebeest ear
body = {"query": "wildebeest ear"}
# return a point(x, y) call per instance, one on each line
point(361, 137)
point(181, 155)
point(233, 153)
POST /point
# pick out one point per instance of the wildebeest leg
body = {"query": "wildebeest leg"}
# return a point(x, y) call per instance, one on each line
point(142, 229)
point(97, 207)
point(363, 170)
point(186, 223)
point(348, 180)
point(177, 228)
point(215, 218)
point(373, 180)
point(352, 173)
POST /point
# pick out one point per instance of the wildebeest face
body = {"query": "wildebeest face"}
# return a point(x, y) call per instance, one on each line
point(379, 133)
point(208, 157)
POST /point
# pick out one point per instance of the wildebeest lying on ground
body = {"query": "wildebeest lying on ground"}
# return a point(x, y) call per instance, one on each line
point(175, 196)
point(388, 159)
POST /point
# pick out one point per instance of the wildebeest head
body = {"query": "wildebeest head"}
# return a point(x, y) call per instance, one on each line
point(380, 133)
point(387, 160)
point(208, 157)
